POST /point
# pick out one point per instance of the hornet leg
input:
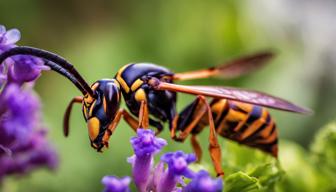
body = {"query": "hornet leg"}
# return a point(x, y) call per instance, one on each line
point(199, 110)
point(132, 122)
point(157, 125)
point(143, 115)
point(187, 121)
point(214, 147)
point(67, 113)
point(196, 147)
point(113, 125)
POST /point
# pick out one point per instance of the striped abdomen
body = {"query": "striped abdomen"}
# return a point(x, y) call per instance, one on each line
point(247, 124)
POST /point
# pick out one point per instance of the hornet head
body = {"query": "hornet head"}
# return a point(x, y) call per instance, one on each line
point(100, 111)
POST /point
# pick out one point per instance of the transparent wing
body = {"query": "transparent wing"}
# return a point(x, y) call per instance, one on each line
point(242, 95)
point(232, 69)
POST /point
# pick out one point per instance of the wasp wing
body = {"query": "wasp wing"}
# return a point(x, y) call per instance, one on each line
point(242, 95)
point(231, 69)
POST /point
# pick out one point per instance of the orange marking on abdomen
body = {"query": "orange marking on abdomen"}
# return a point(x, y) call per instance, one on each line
point(254, 127)
point(267, 131)
point(270, 138)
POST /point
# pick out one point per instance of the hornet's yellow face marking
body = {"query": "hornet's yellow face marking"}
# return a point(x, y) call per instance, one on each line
point(140, 95)
point(88, 100)
point(121, 80)
point(93, 128)
point(136, 84)
point(118, 85)
point(91, 108)
point(85, 112)
point(104, 104)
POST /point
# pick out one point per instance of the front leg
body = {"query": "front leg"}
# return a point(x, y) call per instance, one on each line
point(132, 122)
point(67, 114)
point(143, 115)
point(112, 126)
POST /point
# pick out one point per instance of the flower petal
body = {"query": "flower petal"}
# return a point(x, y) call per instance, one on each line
point(25, 69)
point(12, 36)
point(2, 29)
point(115, 184)
point(202, 182)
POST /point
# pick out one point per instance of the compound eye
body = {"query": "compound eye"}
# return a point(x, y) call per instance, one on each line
point(93, 127)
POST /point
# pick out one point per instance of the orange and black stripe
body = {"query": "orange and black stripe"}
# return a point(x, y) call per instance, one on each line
point(247, 124)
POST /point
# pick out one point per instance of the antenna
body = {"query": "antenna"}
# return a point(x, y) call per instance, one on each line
point(55, 62)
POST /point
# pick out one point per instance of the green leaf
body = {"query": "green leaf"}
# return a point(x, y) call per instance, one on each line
point(259, 173)
point(312, 170)
point(241, 182)
point(235, 158)
point(268, 175)
point(324, 148)
point(301, 174)
point(323, 153)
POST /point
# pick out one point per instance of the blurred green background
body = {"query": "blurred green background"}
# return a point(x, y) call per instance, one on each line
point(99, 37)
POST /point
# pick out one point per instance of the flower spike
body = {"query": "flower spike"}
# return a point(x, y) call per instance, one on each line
point(145, 145)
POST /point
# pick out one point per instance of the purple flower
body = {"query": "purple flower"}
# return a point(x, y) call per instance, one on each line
point(26, 157)
point(8, 38)
point(114, 184)
point(145, 145)
point(7, 41)
point(202, 182)
point(160, 178)
point(178, 162)
point(21, 68)
point(177, 166)
point(23, 142)
point(19, 114)
point(155, 177)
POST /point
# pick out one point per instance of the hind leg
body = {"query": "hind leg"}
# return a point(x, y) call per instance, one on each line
point(187, 121)
point(196, 147)
point(196, 112)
